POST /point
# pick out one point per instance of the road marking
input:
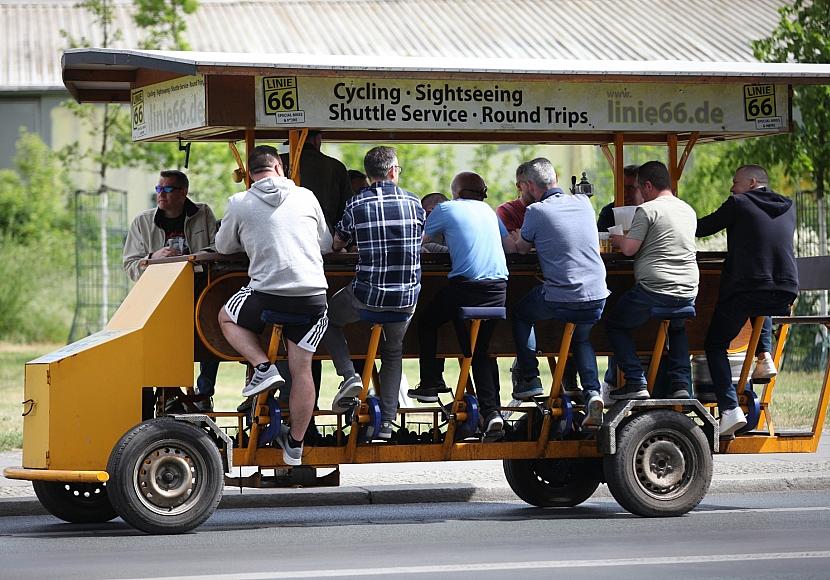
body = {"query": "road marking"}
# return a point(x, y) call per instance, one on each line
point(503, 566)
point(707, 511)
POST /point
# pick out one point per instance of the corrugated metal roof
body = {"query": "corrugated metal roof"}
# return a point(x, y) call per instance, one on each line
point(694, 30)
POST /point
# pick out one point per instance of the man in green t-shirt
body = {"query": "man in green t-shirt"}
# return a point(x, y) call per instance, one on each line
point(662, 241)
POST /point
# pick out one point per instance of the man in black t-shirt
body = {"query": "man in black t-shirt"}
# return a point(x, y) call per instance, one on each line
point(176, 226)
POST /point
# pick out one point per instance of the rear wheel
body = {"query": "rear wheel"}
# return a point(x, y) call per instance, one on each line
point(553, 482)
point(663, 464)
point(167, 476)
point(550, 482)
point(77, 503)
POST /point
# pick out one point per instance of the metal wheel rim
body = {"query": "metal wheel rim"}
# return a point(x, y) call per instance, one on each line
point(169, 478)
point(664, 464)
point(88, 493)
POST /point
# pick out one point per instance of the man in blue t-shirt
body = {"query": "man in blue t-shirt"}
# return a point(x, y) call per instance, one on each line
point(477, 241)
point(561, 227)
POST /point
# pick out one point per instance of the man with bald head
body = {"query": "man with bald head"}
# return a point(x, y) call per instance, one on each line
point(759, 277)
point(477, 241)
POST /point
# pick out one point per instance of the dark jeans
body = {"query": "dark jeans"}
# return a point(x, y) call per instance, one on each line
point(534, 307)
point(728, 318)
point(633, 310)
point(206, 382)
point(444, 308)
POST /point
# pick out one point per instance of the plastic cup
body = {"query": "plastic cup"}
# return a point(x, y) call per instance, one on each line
point(616, 230)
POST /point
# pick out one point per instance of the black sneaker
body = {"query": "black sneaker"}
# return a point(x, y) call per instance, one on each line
point(630, 391)
point(428, 394)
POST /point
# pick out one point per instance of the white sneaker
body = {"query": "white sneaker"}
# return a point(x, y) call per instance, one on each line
point(731, 421)
point(593, 411)
point(290, 455)
point(764, 367)
point(348, 390)
point(263, 381)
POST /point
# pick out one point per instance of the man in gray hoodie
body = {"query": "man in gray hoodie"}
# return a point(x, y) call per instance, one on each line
point(283, 230)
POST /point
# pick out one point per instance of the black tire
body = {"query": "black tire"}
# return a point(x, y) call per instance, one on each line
point(663, 464)
point(76, 503)
point(553, 482)
point(166, 476)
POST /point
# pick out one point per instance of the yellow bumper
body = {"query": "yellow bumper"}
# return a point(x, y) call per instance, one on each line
point(56, 475)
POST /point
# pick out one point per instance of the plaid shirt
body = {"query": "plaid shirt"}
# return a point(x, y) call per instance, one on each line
point(386, 222)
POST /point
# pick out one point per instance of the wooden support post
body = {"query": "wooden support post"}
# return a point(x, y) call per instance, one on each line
point(619, 174)
point(674, 174)
point(657, 354)
point(296, 141)
point(460, 388)
point(368, 367)
point(556, 386)
point(757, 326)
point(250, 143)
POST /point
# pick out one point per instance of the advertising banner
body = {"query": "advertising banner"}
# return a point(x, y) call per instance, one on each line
point(169, 107)
point(480, 105)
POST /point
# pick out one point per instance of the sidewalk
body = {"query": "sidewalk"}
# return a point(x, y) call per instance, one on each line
point(466, 481)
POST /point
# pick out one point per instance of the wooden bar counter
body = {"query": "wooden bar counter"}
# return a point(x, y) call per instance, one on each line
point(219, 276)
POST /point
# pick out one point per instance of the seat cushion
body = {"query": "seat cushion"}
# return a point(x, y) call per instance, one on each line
point(376, 317)
point(482, 312)
point(672, 312)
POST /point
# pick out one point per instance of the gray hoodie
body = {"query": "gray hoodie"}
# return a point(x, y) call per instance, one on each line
point(282, 229)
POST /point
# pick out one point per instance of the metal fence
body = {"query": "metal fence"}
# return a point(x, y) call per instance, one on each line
point(808, 346)
point(100, 230)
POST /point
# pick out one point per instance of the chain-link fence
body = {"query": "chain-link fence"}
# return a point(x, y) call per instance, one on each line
point(100, 230)
point(808, 346)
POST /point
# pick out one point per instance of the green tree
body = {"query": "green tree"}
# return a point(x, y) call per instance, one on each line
point(802, 35)
point(163, 23)
point(34, 195)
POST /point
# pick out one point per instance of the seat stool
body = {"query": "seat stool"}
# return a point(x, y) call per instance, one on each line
point(263, 414)
point(665, 314)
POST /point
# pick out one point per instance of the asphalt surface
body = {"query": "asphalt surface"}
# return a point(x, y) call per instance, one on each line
point(470, 481)
point(736, 536)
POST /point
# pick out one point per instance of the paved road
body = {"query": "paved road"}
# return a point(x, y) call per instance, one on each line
point(764, 535)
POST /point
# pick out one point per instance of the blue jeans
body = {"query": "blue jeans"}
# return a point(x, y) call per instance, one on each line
point(632, 311)
point(729, 317)
point(206, 382)
point(534, 307)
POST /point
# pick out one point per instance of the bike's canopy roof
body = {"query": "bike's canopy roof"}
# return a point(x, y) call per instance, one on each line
point(218, 96)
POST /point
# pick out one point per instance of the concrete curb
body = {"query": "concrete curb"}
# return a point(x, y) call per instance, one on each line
point(429, 493)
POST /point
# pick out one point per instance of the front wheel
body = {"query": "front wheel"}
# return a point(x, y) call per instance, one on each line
point(166, 475)
point(76, 503)
point(662, 467)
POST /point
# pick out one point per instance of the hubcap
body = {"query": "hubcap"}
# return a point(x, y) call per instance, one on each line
point(663, 464)
point(168, 479)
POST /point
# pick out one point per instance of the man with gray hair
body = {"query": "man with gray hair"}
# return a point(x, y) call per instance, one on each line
point(386, 224)
point(759, 277)
point(561, 227)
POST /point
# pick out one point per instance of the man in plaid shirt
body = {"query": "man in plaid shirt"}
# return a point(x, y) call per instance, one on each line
point(386, 224)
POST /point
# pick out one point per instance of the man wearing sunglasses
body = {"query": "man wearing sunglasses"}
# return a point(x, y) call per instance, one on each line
point(477, 241)
point(176, 226)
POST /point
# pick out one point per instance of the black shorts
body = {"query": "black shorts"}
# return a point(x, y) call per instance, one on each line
point(246, 306)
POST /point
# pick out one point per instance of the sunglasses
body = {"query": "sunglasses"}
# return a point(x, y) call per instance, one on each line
point(166, 188)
